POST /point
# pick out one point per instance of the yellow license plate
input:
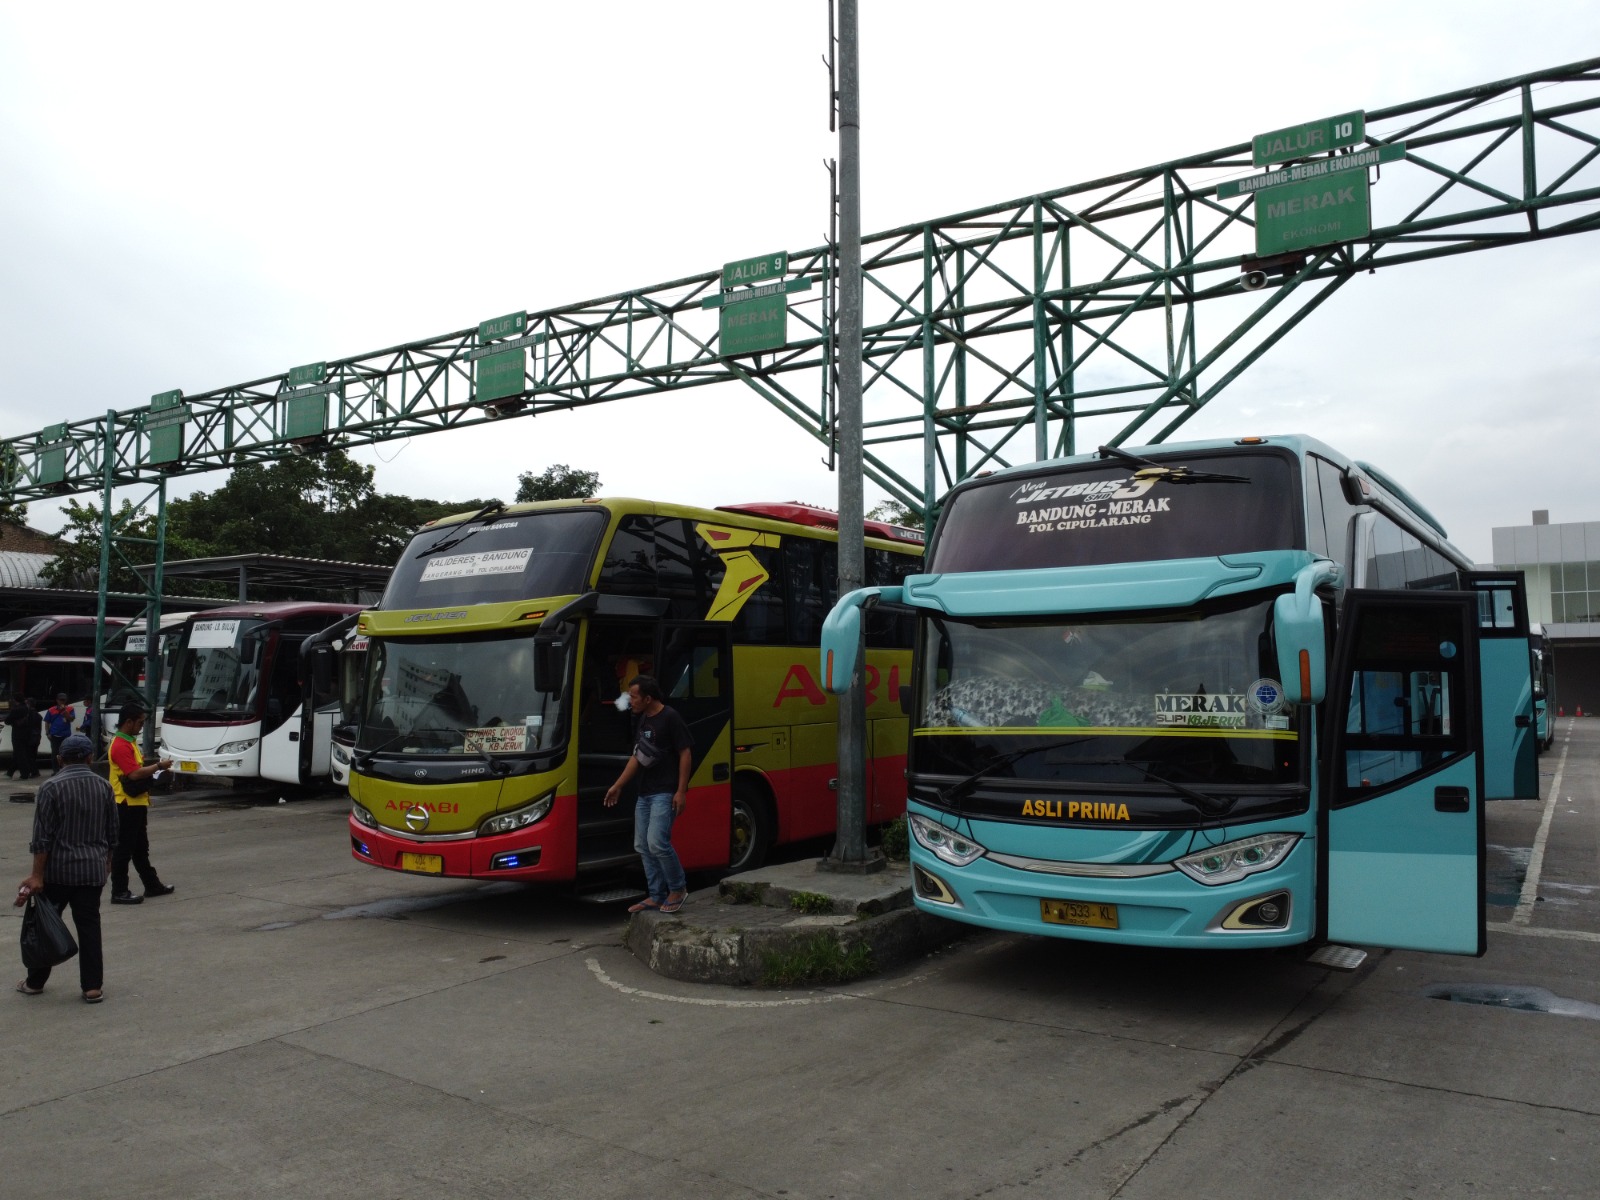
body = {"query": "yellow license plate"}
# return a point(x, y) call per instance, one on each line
point(188, 766)
point(428, 864)
point(1078, 912)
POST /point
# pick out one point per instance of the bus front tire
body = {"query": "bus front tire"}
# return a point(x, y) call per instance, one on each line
point(752, 828)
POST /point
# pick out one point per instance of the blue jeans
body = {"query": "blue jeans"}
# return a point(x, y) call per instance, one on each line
point(652, 839)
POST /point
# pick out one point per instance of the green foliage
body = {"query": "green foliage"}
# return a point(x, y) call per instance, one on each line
point(816, 960)
point(894, 840)
point(313, 506)
point(896, 513)
point(557, 482)
point(810, 902)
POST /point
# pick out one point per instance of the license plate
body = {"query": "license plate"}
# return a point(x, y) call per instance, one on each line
point(1078, 912)
point(428, 864)
point(188, 766)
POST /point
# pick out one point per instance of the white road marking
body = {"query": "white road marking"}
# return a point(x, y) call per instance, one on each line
point(1530, 882)
point(712, 1002)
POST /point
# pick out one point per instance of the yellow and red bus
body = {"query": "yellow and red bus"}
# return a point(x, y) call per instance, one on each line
point(490, 728)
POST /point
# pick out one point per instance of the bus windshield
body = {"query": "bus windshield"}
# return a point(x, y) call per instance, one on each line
point(469, 695)
point(1184, 698)
point(498, 557)
point(216, 672)
point(1106, 513)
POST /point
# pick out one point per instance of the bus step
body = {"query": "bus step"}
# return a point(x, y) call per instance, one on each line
point(610, 895)
point(1340, 958)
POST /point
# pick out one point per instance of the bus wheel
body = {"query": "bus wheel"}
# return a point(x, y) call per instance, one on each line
point(752, 829)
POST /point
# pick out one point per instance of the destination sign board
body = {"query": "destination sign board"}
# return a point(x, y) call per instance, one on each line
point(749, 326)
point(1370, 157)
point(532, 339)
point(787, 287)
point(310, 373)
point(305, 415)
point(1314, 137)
point(501, 375)
point(767, 268)
point(509, 325)
point(1313, 212)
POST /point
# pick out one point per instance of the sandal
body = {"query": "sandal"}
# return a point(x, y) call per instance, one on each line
point(672, 906)
point(94, 997)
point(645, 906)
point(22, 986)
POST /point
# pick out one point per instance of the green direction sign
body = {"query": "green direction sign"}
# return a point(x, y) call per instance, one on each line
point(749, 326)
point(768, 268)
point(502, 375)
point(1314, 137)
point(509, 325)
point(52, 456)
point(1313, 212)
point(163, 426)
point(310, 373)
point(305, 416)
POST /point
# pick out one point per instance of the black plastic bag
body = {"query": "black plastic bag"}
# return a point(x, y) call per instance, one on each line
point(46, 940)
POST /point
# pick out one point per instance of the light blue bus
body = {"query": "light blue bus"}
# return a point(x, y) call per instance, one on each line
point(1216, 694)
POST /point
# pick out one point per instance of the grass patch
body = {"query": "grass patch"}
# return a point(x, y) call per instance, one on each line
point(742, 893)
point(894, 841)
point(810, 902)
point(818, 959)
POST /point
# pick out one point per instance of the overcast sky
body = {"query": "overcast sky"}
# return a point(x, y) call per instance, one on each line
point(201, 195)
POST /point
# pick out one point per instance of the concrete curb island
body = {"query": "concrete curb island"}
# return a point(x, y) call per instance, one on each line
point(725, 934)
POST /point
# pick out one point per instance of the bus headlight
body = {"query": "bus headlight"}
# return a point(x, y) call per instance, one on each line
point(362, 816)
point(236, 747)
point(946, 843)
point(518, 818)
point(1233, 861)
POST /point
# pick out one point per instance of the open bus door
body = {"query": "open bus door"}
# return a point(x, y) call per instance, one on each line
point(1510, 742)
point(1403, 775)
point(695, 670)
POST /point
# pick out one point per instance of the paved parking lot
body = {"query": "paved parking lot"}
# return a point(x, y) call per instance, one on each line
point(295, 1023)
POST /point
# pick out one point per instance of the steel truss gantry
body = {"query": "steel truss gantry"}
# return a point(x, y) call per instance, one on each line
point(990, 336)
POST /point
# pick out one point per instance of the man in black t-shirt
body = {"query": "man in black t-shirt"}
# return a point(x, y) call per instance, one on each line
point(661, 759)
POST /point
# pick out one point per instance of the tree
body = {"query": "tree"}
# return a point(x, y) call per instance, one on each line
point(896, 513)
point(77, 562)
point(557, 482)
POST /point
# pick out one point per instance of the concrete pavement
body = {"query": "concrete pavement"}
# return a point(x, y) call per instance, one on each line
point(295, 1023)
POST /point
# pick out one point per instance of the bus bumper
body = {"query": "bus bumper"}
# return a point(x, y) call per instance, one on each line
point(1169, 910)
point(542, 852)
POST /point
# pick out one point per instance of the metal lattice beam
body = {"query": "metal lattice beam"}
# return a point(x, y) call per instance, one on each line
point(989, 337)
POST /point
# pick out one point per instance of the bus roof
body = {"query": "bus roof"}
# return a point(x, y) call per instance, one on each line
point(777, 516)
point(277, 609)
point(1299, 444)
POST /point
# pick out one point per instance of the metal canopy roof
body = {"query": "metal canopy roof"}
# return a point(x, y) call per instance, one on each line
point(276, 571)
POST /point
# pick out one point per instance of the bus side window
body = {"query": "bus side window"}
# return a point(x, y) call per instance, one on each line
point(630, 562)
point(761, 618)
point(813, 571)
point(888, 629)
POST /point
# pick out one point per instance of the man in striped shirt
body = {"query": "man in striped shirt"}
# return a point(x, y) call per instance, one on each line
point(74, 829)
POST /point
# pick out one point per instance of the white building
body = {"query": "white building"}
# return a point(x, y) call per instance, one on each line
point(1562, 566)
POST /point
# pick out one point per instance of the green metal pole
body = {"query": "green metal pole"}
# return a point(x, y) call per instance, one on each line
point(97, 692)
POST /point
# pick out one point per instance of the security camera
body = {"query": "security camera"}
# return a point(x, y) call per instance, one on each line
point(1253, 281)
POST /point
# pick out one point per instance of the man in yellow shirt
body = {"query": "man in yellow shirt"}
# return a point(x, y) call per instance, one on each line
point(133, 810)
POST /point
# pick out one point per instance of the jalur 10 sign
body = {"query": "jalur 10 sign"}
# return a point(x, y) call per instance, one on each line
point(1320, 201)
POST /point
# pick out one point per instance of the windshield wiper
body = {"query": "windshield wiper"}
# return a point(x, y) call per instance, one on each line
point(364, 757)
point(1208, 806)
point(1150, 469)
point(455, 538)
point(957, 791)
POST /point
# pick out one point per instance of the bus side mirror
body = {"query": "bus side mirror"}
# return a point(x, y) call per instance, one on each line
point(548, 657)
point(841, 644)
point(1301, 638)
